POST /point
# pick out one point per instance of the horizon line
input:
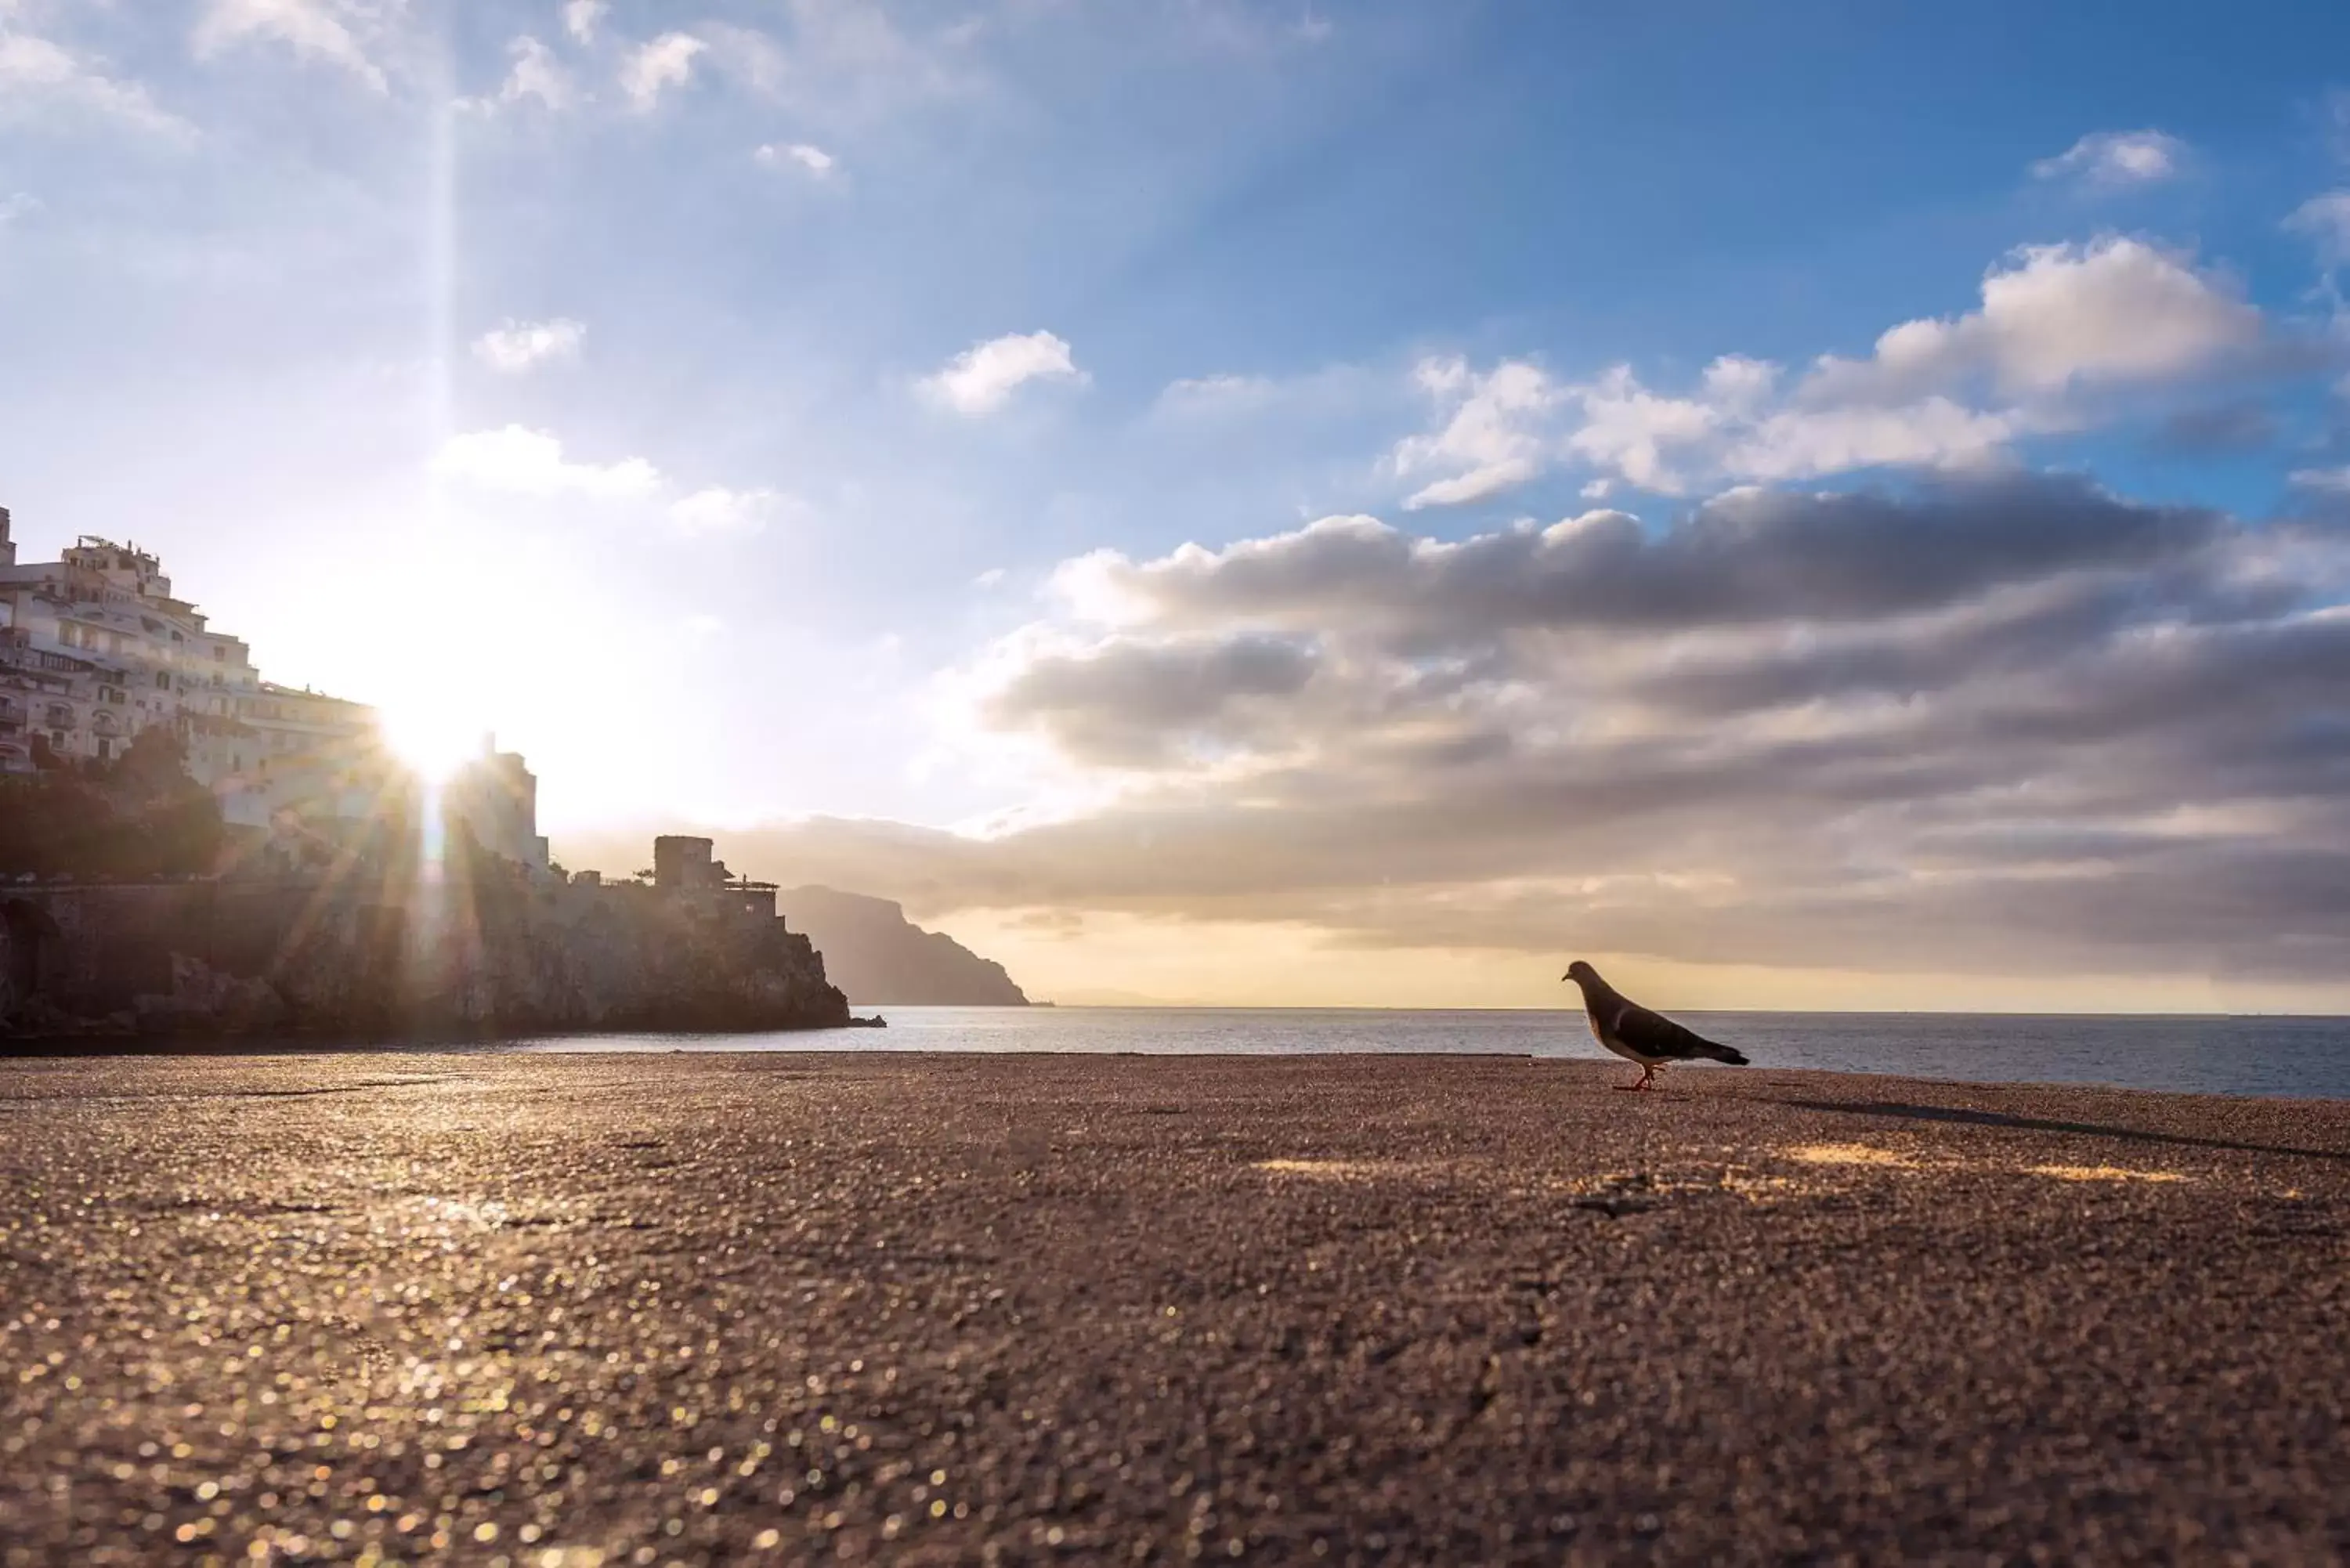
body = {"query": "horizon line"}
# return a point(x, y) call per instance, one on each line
point(1571, 1010)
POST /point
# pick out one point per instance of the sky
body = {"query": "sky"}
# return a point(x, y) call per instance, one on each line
point(1259, 500)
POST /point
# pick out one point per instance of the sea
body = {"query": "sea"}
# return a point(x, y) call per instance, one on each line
point(2201, 1055)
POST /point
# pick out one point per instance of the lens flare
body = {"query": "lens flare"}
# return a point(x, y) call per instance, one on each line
point(434, 741)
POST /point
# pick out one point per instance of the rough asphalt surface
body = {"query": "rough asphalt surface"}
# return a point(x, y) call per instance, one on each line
point(539, 1310)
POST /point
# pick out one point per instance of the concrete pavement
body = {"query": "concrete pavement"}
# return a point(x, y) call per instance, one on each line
point(699, 1309)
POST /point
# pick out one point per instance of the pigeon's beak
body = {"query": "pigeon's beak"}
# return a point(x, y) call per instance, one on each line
point(1566, 976)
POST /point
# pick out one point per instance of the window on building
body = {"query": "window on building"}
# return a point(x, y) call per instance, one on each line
point(163, 678)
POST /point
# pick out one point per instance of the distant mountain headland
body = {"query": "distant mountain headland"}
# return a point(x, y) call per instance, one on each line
point(879, 958)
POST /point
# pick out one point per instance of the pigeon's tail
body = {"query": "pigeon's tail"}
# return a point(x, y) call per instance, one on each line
point(1728, 1054)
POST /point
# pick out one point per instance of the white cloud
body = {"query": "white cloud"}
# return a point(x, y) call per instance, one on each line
point(800, 155)
point(2114, 313)
point(1634, 431)
point(18, 204)
point(2062, 331)
point(2115, 159)
point(1477, 485)
point(582, 18)
point(2326, 220)
point(2335, 481)
point(536, 73)
point(1494, 435)
point(982, 378)
point(531, 463)
point(519, 346)
point(318, 28)
point(651, 69)
point(717, 510)
point(517, 461)
point(1803, 443)
point(1739, 384)
point(1731, 430)
point(39, 79)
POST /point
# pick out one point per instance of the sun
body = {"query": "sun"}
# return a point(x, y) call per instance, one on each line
point(432, 739)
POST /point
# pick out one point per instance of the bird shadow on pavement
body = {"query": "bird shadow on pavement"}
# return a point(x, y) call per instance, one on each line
point(2037, 1124)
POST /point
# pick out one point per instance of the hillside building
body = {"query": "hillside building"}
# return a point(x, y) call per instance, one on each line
point(95, 648)
point(683, 868)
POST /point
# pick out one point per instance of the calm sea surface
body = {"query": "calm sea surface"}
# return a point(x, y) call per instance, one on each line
point(2215, 1056)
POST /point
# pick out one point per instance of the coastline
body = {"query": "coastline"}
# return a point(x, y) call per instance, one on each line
point(2296, 1059)
point(1407, 1308)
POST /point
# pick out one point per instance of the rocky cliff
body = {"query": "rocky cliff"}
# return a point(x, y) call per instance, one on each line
point(494, 955)
point(878, 957)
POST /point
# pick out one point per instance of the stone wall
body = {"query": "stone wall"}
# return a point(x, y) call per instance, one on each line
point(498, 955)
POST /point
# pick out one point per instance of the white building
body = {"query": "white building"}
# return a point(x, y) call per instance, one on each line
point(94, 647)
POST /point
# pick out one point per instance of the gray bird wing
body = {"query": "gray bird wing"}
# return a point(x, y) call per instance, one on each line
point(1653, 1035)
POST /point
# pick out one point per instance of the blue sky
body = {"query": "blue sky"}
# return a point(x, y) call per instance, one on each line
point(730, 404)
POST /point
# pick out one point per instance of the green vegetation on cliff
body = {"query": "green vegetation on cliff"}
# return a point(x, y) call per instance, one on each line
point(138, 816)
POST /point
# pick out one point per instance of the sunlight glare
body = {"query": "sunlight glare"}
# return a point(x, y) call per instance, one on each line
point(431, 740)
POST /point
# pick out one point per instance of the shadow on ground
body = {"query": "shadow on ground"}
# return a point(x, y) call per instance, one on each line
point(2039, 1124)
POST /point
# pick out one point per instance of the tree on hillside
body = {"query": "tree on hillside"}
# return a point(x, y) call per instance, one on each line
point(138, 816)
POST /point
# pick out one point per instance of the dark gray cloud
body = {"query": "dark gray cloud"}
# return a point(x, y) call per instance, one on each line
point(2018, 726)
point(1131, 702)
point(1746, 557)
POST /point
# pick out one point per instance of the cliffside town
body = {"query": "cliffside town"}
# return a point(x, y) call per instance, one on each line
point(187, 849)
point(382, 950)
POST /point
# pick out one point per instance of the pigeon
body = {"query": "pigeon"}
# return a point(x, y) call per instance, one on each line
point(1636, 1034)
